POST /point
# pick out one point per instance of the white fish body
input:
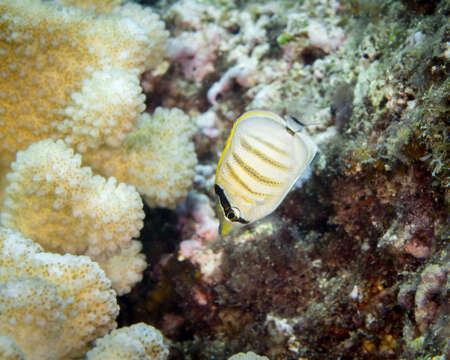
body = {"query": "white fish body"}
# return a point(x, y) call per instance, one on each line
point(261, 161)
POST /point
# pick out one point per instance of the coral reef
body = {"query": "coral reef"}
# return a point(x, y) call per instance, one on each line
point(92, 103)
point(66, 300)
point(9, 350)
point(247, 356)
point(353, 264)
point(434, 280)
point(196, 247)
point(139, 341)
point(158, 157)
point(196, 51)
point(63, 207)
point(125, 269)
point(101, 7)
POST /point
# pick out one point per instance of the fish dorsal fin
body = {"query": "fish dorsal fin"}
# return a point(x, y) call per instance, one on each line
point(294, 124)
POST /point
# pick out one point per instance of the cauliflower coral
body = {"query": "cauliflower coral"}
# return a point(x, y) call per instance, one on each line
point(158, 157)
point(125, 269)
point(54, 201)
point(9, 349)
point(247, 356)
point(139, 341)
point(68, 74)
point(66, 300)
point(73, 74)
point(70, 86)
point(62, 206)
point(70, 78)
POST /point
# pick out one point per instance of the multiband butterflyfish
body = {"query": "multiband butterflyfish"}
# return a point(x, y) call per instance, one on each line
point(262, 159)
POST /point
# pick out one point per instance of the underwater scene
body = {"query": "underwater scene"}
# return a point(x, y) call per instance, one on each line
point(224, 179)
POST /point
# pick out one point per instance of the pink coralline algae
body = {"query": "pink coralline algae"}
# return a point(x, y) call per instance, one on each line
point(243, 73)
point(196, 51)
point(416, 249)
point(432, 283)
point(205, 229)
point(207, 122)
point(328, 41)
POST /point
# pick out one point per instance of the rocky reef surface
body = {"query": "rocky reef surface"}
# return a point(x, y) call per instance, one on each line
point(113, 115)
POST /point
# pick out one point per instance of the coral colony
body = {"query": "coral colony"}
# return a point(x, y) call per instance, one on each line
point(113, 116)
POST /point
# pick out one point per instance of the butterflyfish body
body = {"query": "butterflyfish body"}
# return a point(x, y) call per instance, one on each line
point(261, 161)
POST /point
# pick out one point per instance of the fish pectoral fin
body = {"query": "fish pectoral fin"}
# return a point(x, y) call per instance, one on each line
point(225, 226)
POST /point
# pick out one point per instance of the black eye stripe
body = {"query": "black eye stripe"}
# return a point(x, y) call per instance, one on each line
point(222, 198)
point(226, 206)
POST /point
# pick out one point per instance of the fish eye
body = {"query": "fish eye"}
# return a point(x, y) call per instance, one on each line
point(233, 214)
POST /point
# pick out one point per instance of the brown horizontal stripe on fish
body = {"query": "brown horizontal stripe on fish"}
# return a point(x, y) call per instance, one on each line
point(227, 181)
point(262, 156)
point(253, 173)
point(242, 183)
point(269, 145)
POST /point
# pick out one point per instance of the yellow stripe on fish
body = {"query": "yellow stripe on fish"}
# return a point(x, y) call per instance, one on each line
point(261, 161)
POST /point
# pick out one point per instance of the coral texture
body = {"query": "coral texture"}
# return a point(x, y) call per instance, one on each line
point(434, 280)
point(9, 350)
point(101, 7)
point(137, 342)
point(354, 262)
point(247, 356)
point(63, 207)
point(195, 51)
point(196, 247)
point(158, 157)
point(92, 101)
point(52, 306)
point(125, 269)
